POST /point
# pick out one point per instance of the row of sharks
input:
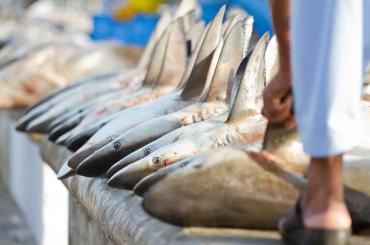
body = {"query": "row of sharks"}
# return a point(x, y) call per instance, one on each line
point(37, 56)
point(184, 128)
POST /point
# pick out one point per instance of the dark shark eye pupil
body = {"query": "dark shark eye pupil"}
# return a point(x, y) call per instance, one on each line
point(147, 151)
point(157, 160)
point(116, 145)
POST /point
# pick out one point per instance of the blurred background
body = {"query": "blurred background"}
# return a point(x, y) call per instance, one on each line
point(127, 21)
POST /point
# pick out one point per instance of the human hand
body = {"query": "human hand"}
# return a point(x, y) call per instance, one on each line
point(278, 101)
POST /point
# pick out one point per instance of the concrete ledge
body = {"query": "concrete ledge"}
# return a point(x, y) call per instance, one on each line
point(119, 215)
point(121, 218)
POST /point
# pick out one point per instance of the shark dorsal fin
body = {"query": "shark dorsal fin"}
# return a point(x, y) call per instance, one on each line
point(234, 11)
point(162, 25)
point(230, 23)
point(192, 59)
point(231, 55)
point(247, 97)
point(248, 36)
point(186, 11)
point(225, 25)
point(175, 59)
point(196, 75)
point(185, 7)
point(156, 62)
point(194, 35)
point(272, 59)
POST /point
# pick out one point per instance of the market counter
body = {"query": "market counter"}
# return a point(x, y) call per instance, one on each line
point(119, 215)
point(97, 209)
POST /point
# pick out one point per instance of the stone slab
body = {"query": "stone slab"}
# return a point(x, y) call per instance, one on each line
point(120, 216)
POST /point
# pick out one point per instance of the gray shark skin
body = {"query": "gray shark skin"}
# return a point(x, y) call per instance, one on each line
point(87, 107)
point(105, 100)
point(144, 185)
point(57, 92)
point(74, 143)
point(207, 187)
point(193, 129)
point(65, 172)
point(50, 100)
point(79, 111)
point(41, 123)
point(66, 126)
point(185, 16)
point(197, 83)
point(3, 43)
point(196, 195)
point(188, 131)
point(63, 93)
point(101, 113)
point(216, 104)
point(176, 135)
point(162, 78)
point(241, 178)
point(73, 118)
point(194, 35)
point(244, 125)
point(151, 60)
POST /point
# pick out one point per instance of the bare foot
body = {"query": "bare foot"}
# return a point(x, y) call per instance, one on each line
point(323, 203)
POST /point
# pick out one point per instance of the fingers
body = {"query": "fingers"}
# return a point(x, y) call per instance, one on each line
point(277, 111)
point(291, 122)
point(278, 101)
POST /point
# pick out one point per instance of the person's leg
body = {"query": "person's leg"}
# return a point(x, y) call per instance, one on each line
point(323, 201)
point(327, 75)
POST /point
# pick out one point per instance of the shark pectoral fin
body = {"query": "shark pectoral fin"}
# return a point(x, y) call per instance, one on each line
point(38, 125)
point(81, 138)
point(65, 171)
point(62, 129)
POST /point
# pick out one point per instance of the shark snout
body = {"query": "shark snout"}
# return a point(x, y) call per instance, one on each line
point(129, 176)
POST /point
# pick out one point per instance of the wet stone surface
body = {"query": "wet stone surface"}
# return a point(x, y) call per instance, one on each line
point(13, 228)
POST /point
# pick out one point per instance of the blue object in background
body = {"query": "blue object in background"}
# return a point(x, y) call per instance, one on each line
point(211, 7)
point(258, 8)
point(261, 11)
point(137, 31)
point(103, 27)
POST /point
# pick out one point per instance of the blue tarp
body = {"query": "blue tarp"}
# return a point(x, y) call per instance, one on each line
point(258, 8)
point(138, 30)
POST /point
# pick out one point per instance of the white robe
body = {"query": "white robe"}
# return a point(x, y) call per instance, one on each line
point(330, 48)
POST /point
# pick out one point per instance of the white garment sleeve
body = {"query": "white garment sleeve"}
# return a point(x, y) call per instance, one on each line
point(327, 53)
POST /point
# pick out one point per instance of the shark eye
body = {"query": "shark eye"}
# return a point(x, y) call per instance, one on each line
point(116, 145)
point(147, 151)
point(156, 160)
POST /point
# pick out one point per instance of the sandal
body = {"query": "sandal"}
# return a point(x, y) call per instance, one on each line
point(293, 232)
